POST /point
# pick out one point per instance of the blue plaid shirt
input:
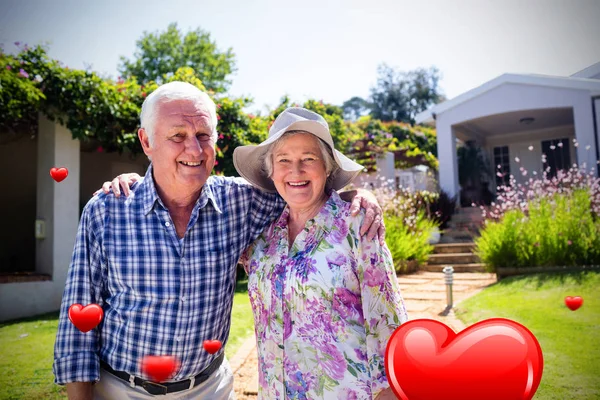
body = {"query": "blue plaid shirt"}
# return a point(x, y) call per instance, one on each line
point(159, 296)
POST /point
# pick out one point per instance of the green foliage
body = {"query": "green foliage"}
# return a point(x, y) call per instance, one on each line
point(406, 242)
point(160, 54)
point(558, 231)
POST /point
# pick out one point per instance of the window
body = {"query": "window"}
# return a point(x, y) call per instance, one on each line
point(501, 158)
point(557, 154)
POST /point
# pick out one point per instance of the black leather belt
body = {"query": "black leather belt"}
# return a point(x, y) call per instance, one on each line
point(167, 387)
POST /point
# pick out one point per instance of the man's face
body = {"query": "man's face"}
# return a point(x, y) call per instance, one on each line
point(182, 152)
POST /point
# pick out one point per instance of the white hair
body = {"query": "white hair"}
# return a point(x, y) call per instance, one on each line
point(175, 91)
point(326, 155)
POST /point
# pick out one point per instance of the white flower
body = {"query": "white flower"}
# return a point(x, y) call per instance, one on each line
point(560, 144)
point(588, 147)
point(530, 148)
point(552, 147)
point(517, 159)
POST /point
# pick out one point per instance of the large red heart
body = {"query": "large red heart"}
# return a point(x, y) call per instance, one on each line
point(159, 368)
point(574, 302)
point(59, 174)
point(85, 318)
point(495, 359)
point(212, 346)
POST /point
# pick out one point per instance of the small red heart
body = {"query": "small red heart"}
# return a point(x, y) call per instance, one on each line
point(495, 359)
point(212, 346)
point(159, 368)
point(85, 318)
point(574, 302)
point(59, 174)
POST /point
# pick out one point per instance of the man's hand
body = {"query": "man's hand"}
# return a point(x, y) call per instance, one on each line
point(79, 390)
point(122, 181)
point(386, 394)
point(373, 223)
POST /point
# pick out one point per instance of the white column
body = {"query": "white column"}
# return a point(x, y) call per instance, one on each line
point(583, 120)
point(57, 202)
point(446, 146)
point(386, 169)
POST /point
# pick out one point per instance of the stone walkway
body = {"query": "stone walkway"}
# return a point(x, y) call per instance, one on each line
point(424, 295)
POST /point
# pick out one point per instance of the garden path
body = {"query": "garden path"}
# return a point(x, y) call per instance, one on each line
point(424, 295)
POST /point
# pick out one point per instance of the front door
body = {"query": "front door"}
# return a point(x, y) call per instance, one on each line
point(558, 155)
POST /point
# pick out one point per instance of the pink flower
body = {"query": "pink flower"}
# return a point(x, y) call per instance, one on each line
point(8, 67)
point(221, 136)
point(560, 144)
point(99, 149)
point(23, 73)
point(218, 117)
point(17, 43)
point(569, 243)
point(536, 244)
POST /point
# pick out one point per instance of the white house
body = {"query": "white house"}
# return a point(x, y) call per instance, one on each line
point(40, 217)
point(520, 117)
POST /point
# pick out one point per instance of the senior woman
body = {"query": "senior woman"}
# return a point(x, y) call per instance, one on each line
point(325, 300)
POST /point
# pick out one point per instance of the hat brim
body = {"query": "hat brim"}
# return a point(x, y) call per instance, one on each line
point(248, 160)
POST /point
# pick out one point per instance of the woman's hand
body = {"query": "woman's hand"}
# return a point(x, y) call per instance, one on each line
point(122, 181)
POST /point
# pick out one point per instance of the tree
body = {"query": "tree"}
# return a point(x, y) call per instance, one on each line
point(162, 53)
point(355, 108)
point(400, 96)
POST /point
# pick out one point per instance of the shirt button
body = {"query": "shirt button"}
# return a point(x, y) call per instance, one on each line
point(183, 298)
point(167, 224)
point(178, 338)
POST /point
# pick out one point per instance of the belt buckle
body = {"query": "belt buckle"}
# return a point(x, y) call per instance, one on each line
point(154, 388)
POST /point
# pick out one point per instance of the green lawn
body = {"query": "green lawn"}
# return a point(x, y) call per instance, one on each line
point(570, 340)
point(26, 351)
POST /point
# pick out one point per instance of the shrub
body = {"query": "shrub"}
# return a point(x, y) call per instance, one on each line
point(408, 242)
point(553, 231)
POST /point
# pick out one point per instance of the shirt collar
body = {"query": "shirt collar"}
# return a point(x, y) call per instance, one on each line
point(325, 218)
point(149, 195)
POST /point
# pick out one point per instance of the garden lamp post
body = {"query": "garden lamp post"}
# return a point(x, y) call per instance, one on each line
point(448, 277)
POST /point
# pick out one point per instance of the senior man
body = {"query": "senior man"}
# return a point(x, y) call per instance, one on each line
point(162, 262)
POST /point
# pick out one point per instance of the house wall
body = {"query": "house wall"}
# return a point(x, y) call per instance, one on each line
point(518, 146)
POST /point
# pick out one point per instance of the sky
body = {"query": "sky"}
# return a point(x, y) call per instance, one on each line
point(327, 49)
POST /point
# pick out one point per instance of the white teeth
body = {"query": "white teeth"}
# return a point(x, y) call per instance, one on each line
point(190, 164)
point(298, 183)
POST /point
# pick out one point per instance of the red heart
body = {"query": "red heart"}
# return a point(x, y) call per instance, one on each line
point(159, 368)
point(85, 318)
point(495, 359)
point(574, 302)
point(212, 346)
point(59, 174)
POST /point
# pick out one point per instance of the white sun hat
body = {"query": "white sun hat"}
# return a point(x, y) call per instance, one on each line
point(248, 160)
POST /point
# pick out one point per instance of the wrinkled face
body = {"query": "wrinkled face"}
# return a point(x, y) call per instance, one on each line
point(182, 152)
point(299, 171)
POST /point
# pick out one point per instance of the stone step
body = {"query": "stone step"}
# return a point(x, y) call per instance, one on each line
point(457, 233)
point(466, 218)
point(461, 268)
point(454, 248)
point(468, 211)
point(452, 258)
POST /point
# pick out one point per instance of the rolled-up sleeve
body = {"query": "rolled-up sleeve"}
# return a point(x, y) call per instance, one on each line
point(383, 307)
point(76, 353)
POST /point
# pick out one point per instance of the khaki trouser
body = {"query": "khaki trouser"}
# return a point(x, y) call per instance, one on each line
point(219, 386)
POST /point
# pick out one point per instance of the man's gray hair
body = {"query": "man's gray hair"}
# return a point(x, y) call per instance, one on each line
point(175, 91)
point(326, 155)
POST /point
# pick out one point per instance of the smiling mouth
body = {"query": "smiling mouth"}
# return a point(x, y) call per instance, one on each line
point(298, 184)
point(191, 164)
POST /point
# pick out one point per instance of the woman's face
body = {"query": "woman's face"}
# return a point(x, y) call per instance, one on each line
point(299, 171)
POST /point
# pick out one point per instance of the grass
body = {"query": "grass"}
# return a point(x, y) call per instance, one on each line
point(570, 340)
point(27, 347)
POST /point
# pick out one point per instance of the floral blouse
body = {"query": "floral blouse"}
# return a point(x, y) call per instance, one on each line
point(324, 309)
